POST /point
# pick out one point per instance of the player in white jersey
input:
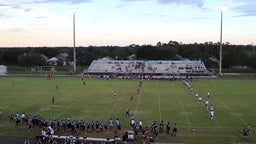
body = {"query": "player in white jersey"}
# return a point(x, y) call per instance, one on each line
point(208, 94)
point(206, 103)
point(200, 99)
point(211, 115)
point(196, 96)
point(211, 108)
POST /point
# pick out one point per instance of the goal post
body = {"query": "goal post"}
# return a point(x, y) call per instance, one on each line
point(47, 69)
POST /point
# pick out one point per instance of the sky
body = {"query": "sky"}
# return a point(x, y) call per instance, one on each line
point(39, 23)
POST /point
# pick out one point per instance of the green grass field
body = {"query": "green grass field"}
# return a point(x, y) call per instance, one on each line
point(234, 102)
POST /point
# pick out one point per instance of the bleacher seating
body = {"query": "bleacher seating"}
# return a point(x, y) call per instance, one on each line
point(74, 140)
point(155, 67)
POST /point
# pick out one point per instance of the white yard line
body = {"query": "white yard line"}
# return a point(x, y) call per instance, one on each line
point(218, 123)
point(62, 98)
point(138, 102)
point(114, 107)
point(211, 127)
point(94, 103)
point(159, 104)
point(63, 111)
point(69, 94)
point(183, 110)
point(230, 109)
point(239, 117)
point(242, 120)
point(117, 102)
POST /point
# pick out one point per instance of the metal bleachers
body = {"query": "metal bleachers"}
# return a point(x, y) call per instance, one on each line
point(147, 67)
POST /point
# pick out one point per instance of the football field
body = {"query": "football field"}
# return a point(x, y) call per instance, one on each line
point(234, 104)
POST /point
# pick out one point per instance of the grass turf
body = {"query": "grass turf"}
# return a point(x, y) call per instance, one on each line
point(234, 102)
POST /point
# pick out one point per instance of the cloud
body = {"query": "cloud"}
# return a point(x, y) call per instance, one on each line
point(62, 1)
point(6, 9)
point(245, 9)
point(16, 7)
point(133, 0)
point(41, 17)
point(21, 7)
point(27, 9)
point(202, 18)
point(1, 4)
point(197, 3)
point(162, 15)
point(15, 30)
point(125, 2)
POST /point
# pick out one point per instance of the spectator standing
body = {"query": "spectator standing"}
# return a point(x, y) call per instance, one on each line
point(161, 130)
point(11, 117)
point(140, 125)
point(168, 127)
point(175, 129)
point(111, 123)
point(1, 114)
point(118, 125)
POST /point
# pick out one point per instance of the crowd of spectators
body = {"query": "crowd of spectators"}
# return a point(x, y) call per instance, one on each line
point(50, 127)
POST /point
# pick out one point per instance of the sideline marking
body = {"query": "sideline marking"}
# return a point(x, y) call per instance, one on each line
point(238, 114)
point(136, 110)
point(186, 113)
point(159, 104)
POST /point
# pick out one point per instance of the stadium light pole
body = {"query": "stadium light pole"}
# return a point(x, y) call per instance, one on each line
point(220, 65)
point(221, 9)
point(74, 38)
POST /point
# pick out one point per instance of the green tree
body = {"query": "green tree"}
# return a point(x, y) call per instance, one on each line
point(28, 60)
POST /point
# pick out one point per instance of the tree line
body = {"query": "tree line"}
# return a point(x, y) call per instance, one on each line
point(208, 52)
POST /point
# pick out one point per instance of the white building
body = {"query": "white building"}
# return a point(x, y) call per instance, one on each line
point(3, 70)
